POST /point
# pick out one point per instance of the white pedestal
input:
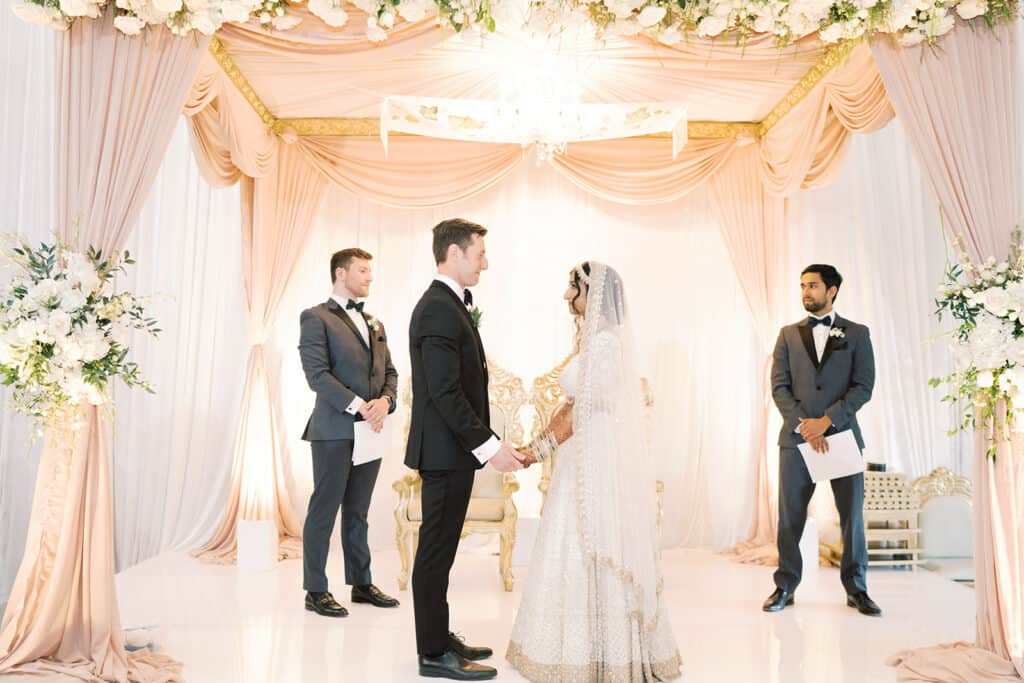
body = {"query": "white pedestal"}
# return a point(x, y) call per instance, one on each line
point(257, 546)
point(809, 550)
point(526, 536)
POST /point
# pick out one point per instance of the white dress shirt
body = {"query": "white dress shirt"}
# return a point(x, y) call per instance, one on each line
point(489, 448)
point(820, 334)
point(360, 322)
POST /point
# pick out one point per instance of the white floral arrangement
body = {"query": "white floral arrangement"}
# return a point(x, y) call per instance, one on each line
point(987, 300)
point(670, 21)
point(206, 16)
point(667, 21)
point(64, 332)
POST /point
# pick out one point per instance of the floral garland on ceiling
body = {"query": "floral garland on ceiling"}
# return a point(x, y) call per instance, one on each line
point(667, 21)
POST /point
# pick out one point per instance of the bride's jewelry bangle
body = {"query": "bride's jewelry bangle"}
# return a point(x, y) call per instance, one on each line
point(544, 446)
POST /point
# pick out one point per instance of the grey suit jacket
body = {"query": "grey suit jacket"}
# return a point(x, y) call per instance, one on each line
point(339, 366)
point(838, 386)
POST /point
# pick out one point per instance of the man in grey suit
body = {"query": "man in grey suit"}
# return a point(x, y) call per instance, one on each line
point(345, 357)
point(823, 372)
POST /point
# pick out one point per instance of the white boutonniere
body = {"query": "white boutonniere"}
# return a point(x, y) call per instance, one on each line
point(372, 323)
point(476, 314)
point(837, 332)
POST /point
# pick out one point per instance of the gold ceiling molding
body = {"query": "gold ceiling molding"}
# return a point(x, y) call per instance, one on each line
point(370, 127)
point(830, 59)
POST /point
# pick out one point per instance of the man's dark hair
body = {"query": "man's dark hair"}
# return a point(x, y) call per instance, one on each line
point(341, 259)
point(829, 275)
point(454, 231)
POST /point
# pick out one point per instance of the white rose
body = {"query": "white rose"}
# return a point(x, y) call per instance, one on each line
point(412, 10)
point(387, 20)
point(374, 33)
point(287, 22)
point(997, 300)
point(206, 22)
point(167, 6)
point(128, 24)
point(71, 350)
point(32, 13)
point(75, 8)
point(711, 26)
point(237, 12)
point(58, 325)
point(329, 11)
point(831, 33)
point(651, 15)
point(986, 379)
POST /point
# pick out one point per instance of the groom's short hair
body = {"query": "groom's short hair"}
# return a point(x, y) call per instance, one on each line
point(454, 231)
point(341, 259)
point(829, 275)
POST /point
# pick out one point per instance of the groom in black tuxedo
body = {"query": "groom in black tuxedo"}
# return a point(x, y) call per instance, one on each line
point(347, 363)
point(823, 372)
point(449, 439)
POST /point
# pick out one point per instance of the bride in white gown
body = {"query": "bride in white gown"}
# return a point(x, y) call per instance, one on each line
point(592, 608)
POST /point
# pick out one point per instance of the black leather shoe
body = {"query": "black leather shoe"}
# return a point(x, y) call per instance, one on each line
point(778, 601)
point(864, 604)
point(451, 665)
point(457, 644)
point(325, 605)
point(372, 595)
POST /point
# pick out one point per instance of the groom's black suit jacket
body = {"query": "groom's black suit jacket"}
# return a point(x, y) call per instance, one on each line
point(450, 408)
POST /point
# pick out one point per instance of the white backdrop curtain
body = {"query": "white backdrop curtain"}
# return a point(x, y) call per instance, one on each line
point(696, 331)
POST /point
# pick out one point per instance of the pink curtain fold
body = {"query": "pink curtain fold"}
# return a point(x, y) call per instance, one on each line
point(278, 211)
point(959, 110)
point(753, 224)
point(118, 100)
point(642, 170)
point(806, 146)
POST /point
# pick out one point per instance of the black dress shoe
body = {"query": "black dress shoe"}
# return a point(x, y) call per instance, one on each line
point(457, 644)
point(372, 595)
point(325, 605)
point(778, 601)
point(451, 665)
point(864, 604)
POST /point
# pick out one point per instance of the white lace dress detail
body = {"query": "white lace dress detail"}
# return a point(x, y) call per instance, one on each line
point(576, 623)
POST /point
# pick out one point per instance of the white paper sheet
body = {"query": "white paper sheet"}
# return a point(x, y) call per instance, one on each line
point(842, 459)
point(370, 445)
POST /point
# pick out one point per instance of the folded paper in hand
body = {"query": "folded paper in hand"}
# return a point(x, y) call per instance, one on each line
point(842, 459)
point(370, 445)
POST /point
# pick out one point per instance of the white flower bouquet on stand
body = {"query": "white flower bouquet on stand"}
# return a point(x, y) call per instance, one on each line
point(988, 301)
point(64, 332)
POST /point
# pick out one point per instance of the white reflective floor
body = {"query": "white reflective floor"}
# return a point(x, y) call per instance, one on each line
point(230, 628)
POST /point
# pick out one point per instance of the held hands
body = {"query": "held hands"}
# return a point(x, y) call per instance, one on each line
point(374, 412)
point(813, 428)
point(508, 459)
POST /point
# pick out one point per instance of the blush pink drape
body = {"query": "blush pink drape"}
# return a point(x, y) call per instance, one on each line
point(278, 211)
point(960, 110)
point(118, 100)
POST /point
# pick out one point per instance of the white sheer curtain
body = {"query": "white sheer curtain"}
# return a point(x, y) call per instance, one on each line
point(692, 324)
point(26, 208)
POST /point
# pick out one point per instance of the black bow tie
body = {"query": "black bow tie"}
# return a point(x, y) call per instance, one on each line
point(467, 297)
point(826, 321)
point(352, 304)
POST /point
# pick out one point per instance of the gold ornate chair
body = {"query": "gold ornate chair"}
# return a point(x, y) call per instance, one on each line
point(491, 508)
point(545, 396)
point(947, 524)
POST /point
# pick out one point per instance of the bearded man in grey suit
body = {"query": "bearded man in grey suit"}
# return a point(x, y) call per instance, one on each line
point(823, 372)
point(347, 363)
